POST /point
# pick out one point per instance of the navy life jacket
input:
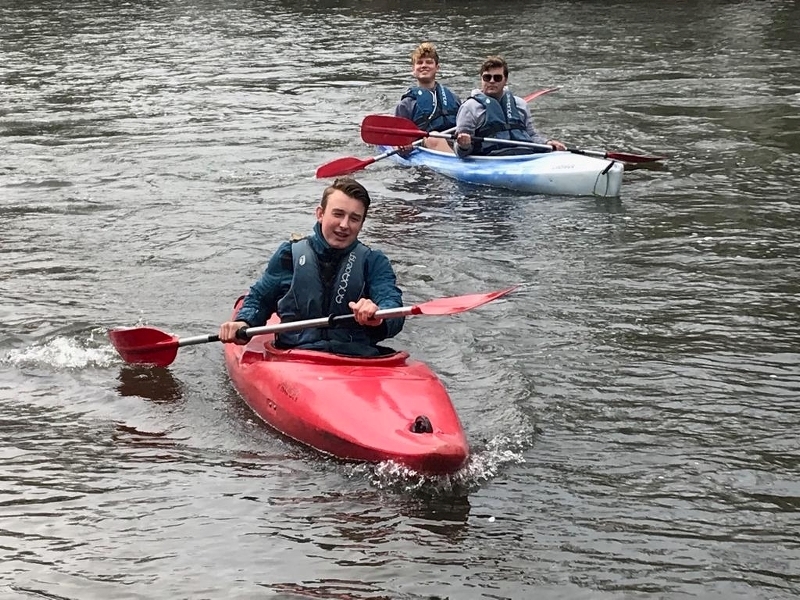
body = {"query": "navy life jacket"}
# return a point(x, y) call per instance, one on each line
point(433, 110)
point(311, 297)
point(504, 120)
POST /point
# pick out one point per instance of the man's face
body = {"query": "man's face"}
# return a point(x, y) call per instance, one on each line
point(495, 84)
point(424, 70)
point(342, 219)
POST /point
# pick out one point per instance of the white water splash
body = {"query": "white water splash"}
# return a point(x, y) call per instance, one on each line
point(482, 465)
point(64, 353)
point(499, 453)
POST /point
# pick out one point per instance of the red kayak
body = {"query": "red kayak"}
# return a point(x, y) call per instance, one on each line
point(364, 409)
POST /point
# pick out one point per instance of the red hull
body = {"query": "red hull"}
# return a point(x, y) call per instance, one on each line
point(359, 409)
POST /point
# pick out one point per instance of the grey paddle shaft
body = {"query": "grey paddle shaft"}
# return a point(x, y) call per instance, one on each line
point(331, 321)
point(396, 150)
point(245, 333)
point(541, 147)
point(446, 134)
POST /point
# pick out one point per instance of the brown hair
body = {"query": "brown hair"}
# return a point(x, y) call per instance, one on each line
point(424, 50)
point(492, 62)
point(349, 187)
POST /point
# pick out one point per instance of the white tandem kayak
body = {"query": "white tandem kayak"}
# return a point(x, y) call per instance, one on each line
point(552, 173)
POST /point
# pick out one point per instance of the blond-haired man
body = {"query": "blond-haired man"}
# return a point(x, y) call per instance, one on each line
point(432, 106)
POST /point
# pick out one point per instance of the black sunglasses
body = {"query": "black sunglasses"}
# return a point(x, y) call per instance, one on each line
point(497, 77)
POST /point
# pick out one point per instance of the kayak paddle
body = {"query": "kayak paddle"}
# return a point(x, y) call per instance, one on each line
point(535, 95)
point(396, 131)
point(152, 346)
point(350, 164)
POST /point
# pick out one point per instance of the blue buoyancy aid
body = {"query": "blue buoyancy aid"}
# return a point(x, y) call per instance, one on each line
point(434, 110)
point(310, 298)
point(504, 120)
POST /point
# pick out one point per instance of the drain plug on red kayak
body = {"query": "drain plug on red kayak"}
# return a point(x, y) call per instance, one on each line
point(422, 424)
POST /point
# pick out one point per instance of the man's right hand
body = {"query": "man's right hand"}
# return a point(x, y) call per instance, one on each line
point(464, 141)
point(227, 332)
point(404, 150)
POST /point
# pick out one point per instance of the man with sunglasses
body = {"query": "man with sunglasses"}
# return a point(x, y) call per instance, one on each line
point(330, 272)
point(432, 106)
point(494, 112)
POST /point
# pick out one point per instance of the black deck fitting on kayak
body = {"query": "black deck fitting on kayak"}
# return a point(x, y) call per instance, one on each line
point(422, 424)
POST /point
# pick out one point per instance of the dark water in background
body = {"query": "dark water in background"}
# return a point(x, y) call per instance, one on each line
point(633, 412)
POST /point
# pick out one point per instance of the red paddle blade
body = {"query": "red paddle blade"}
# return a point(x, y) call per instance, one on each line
point(633, 158)
point(386, 130)
point(458, 304)
point(144, 345)
point(343, 166)
point(535, 95)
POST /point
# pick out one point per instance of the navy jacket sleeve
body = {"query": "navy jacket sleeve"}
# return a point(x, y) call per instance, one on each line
point(382, 290)
point(262, 300)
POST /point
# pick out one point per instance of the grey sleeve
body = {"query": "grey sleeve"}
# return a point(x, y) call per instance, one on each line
point(405, 108)
point(468, 119)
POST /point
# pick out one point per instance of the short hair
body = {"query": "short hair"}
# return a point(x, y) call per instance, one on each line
point(492, 62)
point(424, 50)
point(349, 187)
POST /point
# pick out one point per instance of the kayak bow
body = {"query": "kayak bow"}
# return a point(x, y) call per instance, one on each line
point(361, 409)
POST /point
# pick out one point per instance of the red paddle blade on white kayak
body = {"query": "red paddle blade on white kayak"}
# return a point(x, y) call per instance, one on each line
point(388, 130)
point(344, 166)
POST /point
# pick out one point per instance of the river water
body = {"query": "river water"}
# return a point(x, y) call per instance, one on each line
point(633, 411)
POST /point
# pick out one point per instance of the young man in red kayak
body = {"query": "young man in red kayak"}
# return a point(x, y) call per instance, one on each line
point(432, 106)
point(494, 112)
point(330, 272)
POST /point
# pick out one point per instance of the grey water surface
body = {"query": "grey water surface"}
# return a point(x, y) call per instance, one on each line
point(633, 410)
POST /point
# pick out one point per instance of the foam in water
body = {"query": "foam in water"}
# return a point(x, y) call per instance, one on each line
point(481, 466)
point(65, 353)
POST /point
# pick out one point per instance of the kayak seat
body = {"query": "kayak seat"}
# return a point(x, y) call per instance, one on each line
point(385, 351)
point(268, 351)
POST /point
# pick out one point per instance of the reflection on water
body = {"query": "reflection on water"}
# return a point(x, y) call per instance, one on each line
point(153, 383)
